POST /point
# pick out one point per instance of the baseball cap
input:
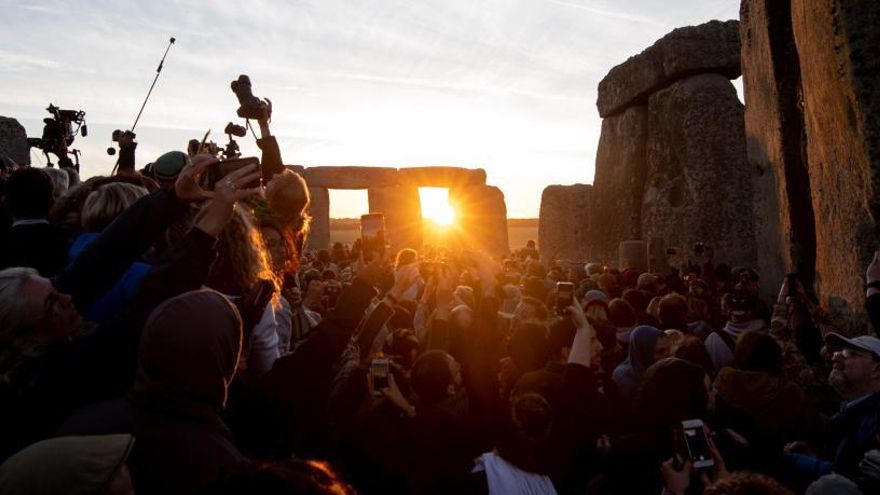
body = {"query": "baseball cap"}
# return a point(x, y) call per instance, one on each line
point(863, 342)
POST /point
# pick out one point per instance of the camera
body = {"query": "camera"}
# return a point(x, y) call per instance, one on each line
point(699, 248)
point(235, 130)
point(58, 133)
point(250, 107)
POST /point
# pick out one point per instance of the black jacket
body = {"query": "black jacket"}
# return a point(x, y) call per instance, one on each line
point(41, 390)
point(39, 245)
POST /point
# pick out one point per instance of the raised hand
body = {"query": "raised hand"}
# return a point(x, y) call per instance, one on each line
point(187, 185)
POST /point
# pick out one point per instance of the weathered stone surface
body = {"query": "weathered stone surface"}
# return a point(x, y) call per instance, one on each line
point(840, 45)
point(403, 219)
point(698, 187)
point(319, 209)
point(442, 176)
point(351, 177)
point(13, 141)
point(785, 224)
point(708, 48)
point(633, 254)
point(481, 215)
point(618, 186)
point(564, 220)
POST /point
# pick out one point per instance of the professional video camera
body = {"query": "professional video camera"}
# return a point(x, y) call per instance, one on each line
point(250, 107)
point(58, 134)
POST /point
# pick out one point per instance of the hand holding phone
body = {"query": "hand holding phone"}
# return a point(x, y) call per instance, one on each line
point(564, 297)
point(379, 371)
point(696, 443)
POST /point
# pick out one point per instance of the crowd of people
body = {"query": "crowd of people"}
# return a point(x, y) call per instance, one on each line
point(160, 335)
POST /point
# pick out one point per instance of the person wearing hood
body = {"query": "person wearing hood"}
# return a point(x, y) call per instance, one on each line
point(188, 356)
point(743, 317)
point(646, 345)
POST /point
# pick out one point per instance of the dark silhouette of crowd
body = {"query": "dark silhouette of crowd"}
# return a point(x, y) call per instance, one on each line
point(161, 336)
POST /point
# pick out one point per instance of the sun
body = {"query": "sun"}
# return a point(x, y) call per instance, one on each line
point(436, 207)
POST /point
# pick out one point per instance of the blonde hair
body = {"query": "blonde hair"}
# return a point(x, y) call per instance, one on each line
point(287, 195)
point(243, 259)
point(107, 202)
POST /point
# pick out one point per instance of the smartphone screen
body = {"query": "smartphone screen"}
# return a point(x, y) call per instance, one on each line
point(379, 370)
point(697, 443)
point(372, 235)
point(564, 297)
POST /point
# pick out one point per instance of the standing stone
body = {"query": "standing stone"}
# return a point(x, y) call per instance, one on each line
point(621, 165)
point(402, 208)
point(839, 44)
point(563, 226)
point(481, 218)
point(712, 47)
point(774, 121)
point(319, 209)
point(13, 141)
point(698, 187)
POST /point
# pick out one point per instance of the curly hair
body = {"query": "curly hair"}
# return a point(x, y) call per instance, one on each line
point(288, 237)
point(242, 259)
point(747, 483)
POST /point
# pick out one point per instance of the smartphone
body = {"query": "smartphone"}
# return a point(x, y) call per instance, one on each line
point(696, 443)
point(379, 369)
point(372, 235)
point(221, 169)
point(564, 297)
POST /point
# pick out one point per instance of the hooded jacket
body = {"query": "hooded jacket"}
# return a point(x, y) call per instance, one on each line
point(187, 358)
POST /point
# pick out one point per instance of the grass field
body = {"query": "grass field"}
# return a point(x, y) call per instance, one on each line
point(517, 234)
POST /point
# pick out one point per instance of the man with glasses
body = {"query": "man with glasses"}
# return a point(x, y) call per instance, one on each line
point(855, 374)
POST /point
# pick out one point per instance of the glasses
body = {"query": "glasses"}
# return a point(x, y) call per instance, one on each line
point(849, 352)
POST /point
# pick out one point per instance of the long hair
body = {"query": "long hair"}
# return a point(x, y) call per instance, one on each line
point(242, 259)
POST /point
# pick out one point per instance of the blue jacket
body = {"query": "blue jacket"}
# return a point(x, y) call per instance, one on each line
point(112, 301)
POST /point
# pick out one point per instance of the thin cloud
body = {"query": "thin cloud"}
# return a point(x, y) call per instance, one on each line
point(623, 16)
point(44, 9)
point(15, 61)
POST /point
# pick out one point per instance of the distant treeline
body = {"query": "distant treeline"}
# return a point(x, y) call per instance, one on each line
point(355, 223)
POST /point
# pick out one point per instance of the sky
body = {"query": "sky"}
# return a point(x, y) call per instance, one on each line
point(505, 85)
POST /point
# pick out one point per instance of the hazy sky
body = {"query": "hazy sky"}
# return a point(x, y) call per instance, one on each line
point(507, 85)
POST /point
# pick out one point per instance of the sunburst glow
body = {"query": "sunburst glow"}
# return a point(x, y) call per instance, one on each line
point(435, 205)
